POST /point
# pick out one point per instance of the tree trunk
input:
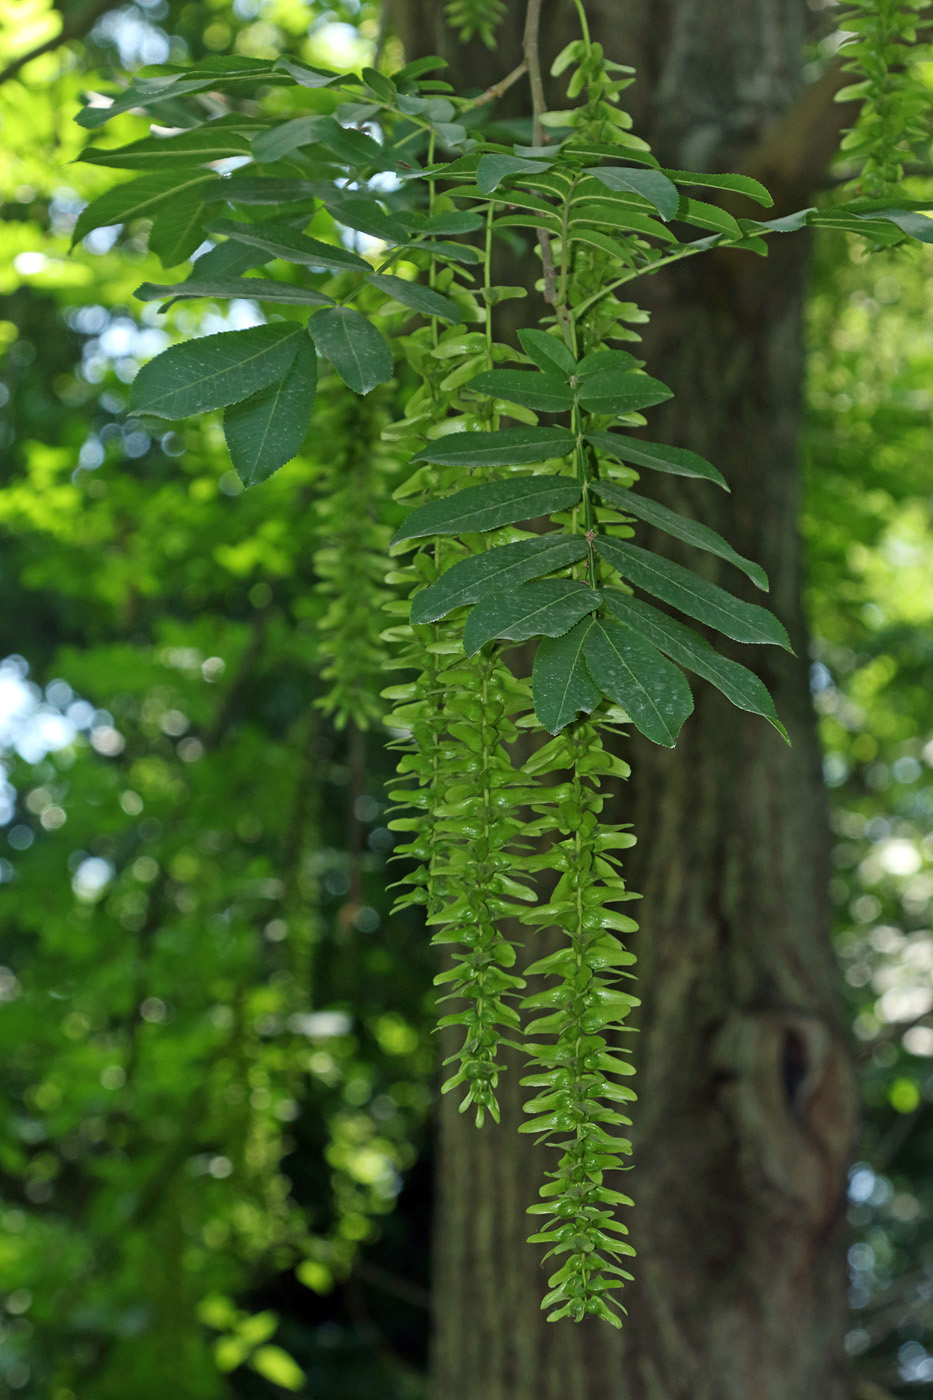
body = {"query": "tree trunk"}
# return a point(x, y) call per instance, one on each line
point(745, 1113)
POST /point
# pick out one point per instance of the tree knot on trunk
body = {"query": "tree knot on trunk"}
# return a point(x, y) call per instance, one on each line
point(789, 1093)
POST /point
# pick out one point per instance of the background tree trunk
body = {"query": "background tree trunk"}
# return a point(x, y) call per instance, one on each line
point(745, 1111)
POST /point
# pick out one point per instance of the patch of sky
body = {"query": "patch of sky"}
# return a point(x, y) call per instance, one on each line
point(137, 40)
point(35, 723)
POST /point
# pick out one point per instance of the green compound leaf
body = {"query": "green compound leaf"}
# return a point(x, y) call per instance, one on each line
point(561, 685)
point(138, 199)
point(280, 240)
point(489, 506)
point(204, 143)
point(690, 531)
point(547, 351)
point(652, 185)
point(739, 184)
point(546, 393)
point(248, 288)
point(609, 392)
point(493, 169)
point(693, 595)
point(358, 352)
point(214, 371)
point(499, 569)
point(267, 430)
point(178, 228)
point(636, 676)
point(678, 461)
point(423, 299)
point(689, 649)
point(506, 448)
point(544, 609)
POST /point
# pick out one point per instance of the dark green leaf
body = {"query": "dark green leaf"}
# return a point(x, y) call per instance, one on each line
point(423, 299)
point(561, 685)
point(138, 199)
point(547, 393)
point(915, 225)
point(649, 184)
point(493, 169)
point(881, 230)
point(195, 147)
point(252, 288)
point(283, 138)
point(790, 223)
point(382, 86)
point(256, 189)
point(693, 595)
point(506, 448)
point(453, 221)
point(352, 147)
point(214, 371)
point(280, 240)
point(739, 184)
point(678, 461)
point(306, 76)
point(488, 506)
point(548, 608)
point(690, 531)
point(689, 649)
point(547, 351)
point(135, 96)
point(496, 569)
point(266, 431)
point(358, 352)
point(178, 228)
point(636, 676)
point(620, 361)
point(366, 216)
point(227, 260)
point(606, 391)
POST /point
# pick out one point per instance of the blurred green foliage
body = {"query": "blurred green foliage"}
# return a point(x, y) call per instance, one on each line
point(867, 522)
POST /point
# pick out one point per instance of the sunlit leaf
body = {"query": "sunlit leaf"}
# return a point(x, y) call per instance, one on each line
point(214, 370)
point(266, 431)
